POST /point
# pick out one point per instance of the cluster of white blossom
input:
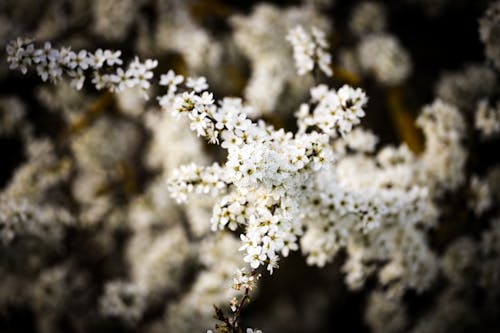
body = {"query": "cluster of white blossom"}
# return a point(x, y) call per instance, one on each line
point(444, 158)
point(384, 57)
point(399, 187)
point(464, 88)
point(101, 155)
point(487, 119)
point(265, 169)
point(310, 49)
point(358, 139)
point(273, 86)
point(164, 256)
point(270, 173)
point(335, 111)
point(178, 31)
point(165, 259)
point(377, 52)
point(24, 212)
point(480, 195)
point(121, 299)
point(51, 64)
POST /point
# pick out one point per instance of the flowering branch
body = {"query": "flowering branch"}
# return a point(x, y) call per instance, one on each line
point(52, 64)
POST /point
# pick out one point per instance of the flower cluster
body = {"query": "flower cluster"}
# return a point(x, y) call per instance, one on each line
point(24, 213)
point(487, 119)
point(201, 180)
point(266, 168)
point(121, 299)
point(444, 158)
point(384, 57)
point(336, 111)
point(481, 199)
point(273, 86)
point(464, 88)
point(51, 64)
point(310, 49)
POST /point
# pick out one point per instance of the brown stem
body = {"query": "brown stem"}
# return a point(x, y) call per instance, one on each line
point(403, 120)
point(98, 107)
point(237, 313)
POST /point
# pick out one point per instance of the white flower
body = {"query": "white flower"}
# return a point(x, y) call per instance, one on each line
point(77, 60)
point(198, 122)
point(112, 58)
point(319, 92)
point(151, 64)
point(171, 79)
point(99, 80)
point(207, 98)
point(247, 242)
point(46, 54)
point(140, 76)
point(255, 257)
point(244, 280)
point(121, 79)
point(273, 262)
point(43, 71)
point(229, 139)
point(97, 59)
point(78, 79)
